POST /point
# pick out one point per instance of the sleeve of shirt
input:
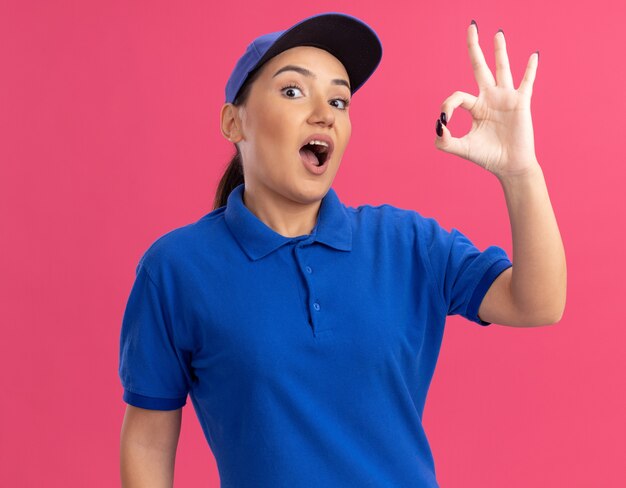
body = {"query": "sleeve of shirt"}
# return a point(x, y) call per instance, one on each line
point(151, 369)
point(461, 272)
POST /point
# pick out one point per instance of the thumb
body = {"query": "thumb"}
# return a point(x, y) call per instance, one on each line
point(446, 142)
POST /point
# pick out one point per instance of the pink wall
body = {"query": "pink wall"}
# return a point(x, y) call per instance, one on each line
point(109, 137)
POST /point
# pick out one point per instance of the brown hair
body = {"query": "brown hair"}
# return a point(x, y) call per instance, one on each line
point(233, 176)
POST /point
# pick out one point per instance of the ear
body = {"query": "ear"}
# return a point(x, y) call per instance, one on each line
point(230, 122)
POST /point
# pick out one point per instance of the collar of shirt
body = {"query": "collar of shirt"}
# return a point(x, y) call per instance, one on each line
point(258, 239)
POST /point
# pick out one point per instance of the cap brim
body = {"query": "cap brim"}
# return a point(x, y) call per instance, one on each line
point(347, 38)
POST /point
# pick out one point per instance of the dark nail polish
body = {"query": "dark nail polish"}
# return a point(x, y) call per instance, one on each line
point(444, 118)
point(537, 54)
point(439, 128)
point(500, 30)
point(474, 22)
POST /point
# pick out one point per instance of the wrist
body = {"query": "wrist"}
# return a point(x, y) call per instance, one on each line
point(532, 171)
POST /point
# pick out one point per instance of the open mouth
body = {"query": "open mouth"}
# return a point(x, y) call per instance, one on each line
point(317, 149)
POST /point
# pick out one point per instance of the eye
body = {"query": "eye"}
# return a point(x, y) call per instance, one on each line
point(345, 101)
point(291, 88)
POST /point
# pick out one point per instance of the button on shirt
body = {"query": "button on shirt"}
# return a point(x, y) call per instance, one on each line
point(307, 359)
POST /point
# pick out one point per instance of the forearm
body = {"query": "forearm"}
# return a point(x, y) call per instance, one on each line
point(539, 276)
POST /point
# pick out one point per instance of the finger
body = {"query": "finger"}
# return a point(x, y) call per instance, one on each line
point(482, 73)
point(458, 99)
point(526, 86)
point(446, 142)
point(503, 70)
point(453, 145)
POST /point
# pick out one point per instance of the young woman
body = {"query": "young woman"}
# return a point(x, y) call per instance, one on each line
point(306, 332)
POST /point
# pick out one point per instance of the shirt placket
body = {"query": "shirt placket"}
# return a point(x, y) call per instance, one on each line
point(307, 267)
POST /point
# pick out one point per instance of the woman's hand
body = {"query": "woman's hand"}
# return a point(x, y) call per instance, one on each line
point(501, 137)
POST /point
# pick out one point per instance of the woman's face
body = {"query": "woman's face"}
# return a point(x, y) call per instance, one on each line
point(282, 112)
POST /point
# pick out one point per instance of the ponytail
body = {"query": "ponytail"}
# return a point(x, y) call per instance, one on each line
point(233, 176)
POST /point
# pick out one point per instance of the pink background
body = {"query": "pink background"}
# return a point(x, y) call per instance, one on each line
point(109, 137)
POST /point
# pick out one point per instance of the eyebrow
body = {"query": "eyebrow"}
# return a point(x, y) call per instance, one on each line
point(310, 74)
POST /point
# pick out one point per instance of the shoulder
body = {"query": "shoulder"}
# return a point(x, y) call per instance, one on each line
point(392, 219)
point(182, 243)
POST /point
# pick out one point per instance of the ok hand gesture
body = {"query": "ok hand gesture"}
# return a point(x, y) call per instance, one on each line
point(501, 138)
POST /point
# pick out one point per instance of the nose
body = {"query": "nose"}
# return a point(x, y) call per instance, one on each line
point(321, 111)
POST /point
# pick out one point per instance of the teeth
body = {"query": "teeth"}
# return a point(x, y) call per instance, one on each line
point(320, 143)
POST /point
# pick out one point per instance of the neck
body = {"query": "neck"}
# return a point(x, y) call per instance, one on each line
point(284, 216)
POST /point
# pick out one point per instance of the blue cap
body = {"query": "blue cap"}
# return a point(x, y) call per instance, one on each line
point(349, 39)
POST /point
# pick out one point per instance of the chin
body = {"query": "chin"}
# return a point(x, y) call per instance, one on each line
point(310, 191)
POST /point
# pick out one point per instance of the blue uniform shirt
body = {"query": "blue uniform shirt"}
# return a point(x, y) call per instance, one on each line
point(307, 359)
